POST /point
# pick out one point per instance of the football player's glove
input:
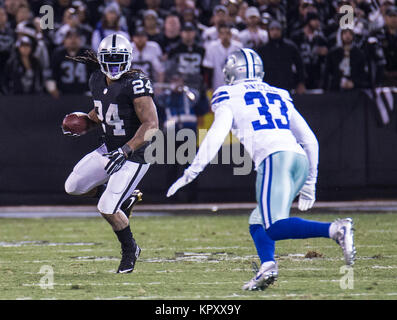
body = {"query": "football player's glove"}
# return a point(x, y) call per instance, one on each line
point(307, 196)
point(117, 158)
point(188, 176)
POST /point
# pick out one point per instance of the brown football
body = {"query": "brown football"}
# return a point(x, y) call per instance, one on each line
point(76, 123)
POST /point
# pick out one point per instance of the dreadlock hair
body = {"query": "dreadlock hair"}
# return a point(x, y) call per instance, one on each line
point(90, 59)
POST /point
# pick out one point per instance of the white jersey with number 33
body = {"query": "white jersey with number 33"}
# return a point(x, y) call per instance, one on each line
point(265, 121)
point(262, 117)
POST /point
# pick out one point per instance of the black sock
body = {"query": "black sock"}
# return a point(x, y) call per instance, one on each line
point(126, 239)
point(99, 190)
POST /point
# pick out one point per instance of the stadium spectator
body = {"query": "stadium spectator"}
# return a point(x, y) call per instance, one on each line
point(387, 37)
point(155, 5)
point(375, 60)
point(72, 20)
point(297, 21)
point(313, 49)
point(361, 22)
point(188, 56)
point(314, 26)
point(282, 61)
point(180, 110)
point(60, 6)
point(377, 18)
point(146, 56)
point(151, 25)
point(110, 23)
point(181, 5)
point(215, 56)
point(84, 27)
point(187, 59)
point(69, 77)
point(23, 73)
point(234, 18)
point(253, 36)
point(345, 65)
point(219, 18)
point(206, 8)
point(361, 26)
point(171, 33)
point(189, 15)
point(261, 5)
point(11, 7)
point(7, 39)
point(325, 10)
point(126, 14)
point(23, 13)
point(277, 11)
point(40, 50)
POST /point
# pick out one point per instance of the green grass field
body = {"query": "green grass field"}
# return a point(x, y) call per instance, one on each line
point(189, 257)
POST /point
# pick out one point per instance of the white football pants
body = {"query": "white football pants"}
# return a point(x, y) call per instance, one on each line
point(90, 172)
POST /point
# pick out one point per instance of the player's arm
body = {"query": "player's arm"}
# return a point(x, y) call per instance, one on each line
point(146, 112)
point(306, 138)
point(93, 119)
point(208, 149)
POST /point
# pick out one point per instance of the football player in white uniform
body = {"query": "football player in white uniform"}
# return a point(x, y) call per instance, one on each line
point(285, 152)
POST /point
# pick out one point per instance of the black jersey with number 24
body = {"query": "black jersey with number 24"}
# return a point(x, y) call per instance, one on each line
point(114, 105)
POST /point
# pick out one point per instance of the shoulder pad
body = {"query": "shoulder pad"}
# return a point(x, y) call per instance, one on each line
point(221, 94)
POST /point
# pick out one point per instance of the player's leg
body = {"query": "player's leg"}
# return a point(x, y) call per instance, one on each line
point(265, 246)
point(88, 175)
point(287, 174)
point(119, 188)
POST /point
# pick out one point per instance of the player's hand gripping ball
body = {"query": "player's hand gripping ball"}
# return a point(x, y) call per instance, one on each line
point(75, 124)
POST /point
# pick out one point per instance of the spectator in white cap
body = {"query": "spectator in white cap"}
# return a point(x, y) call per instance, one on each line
point(253, 36)
point(109, 24)
point(219, 17)
point(151, 25)
point(216, 54)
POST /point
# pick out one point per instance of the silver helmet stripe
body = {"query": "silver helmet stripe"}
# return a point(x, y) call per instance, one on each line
point(243, 64)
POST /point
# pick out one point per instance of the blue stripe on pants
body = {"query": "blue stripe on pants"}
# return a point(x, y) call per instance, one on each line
point(279, 179)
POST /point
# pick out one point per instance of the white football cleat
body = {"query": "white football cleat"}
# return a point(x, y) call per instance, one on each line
point(341, 231)
point(267, 274)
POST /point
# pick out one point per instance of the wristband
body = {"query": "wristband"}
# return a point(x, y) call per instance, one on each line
point(127, 150)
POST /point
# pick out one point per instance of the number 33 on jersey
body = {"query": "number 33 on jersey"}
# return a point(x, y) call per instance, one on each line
point(262, 117)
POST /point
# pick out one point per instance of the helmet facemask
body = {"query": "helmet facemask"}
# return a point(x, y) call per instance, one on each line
point(114, 64)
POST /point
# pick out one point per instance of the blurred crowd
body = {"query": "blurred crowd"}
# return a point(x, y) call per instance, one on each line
point(183, 43)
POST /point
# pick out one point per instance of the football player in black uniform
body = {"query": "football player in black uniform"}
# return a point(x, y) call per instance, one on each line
point(125, 110)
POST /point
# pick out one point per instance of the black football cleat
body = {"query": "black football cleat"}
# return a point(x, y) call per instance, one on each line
point(128, 260)
point(130, 202)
